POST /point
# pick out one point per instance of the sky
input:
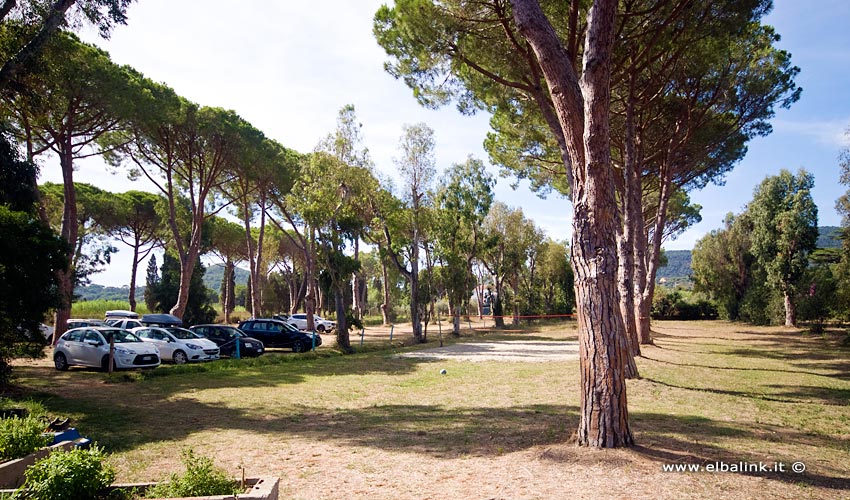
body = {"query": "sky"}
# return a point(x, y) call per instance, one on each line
point(288, 67)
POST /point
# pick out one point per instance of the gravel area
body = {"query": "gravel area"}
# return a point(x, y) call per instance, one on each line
point(509, 350)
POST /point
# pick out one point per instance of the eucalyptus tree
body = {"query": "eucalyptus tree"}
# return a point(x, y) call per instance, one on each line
point(556, 278)
point(462, 202)
point(76, 98)
point(32, 23)
point(724, 266)
point(509, 238)
point(135, 218)
point(785, 231)
point(346, 144)
point(332, 198)
point(404, 229)
point(185, 151)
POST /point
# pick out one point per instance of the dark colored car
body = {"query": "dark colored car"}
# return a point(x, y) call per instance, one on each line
point(276, 333)
point(225, 337)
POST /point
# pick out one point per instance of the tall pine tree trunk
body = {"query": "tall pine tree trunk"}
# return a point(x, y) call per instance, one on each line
point(69, 232)
point(134, 269)
point(582, 110)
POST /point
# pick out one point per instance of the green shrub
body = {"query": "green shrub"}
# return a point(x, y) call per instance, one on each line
point(68, 475)
point(21, 436)
point(202, 478)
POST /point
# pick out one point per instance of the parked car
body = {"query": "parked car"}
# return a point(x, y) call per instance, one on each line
point(322, 325)
point(125, 323)
point(89, 346)
point(77, 323)
point(121, 314)
point(179, 344)
point(276, 333)
point(47, 331)
point(164, 320)
point(225, 337)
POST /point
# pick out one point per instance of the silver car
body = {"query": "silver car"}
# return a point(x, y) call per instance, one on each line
point(89, 346)
point(178, 344)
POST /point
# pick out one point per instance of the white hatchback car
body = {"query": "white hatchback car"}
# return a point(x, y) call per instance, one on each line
point(178, 344)
point(89, 346)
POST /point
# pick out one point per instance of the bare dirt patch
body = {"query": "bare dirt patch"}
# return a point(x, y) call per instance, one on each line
point(519, 351)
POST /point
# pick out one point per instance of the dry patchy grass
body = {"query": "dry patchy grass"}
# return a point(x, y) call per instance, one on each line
point(373, 425)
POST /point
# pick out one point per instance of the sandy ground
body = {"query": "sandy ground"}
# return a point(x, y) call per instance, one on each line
point(520, 351)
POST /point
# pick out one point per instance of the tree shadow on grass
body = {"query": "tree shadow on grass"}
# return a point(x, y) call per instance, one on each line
point(804, 394)
point(714, 367)
point(436, 431)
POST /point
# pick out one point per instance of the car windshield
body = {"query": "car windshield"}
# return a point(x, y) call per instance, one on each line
point(288, 327)
point(183, 334)
point(120, 336)
point(232, 332)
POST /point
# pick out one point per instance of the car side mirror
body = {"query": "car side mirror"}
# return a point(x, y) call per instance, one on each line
point(93, 342)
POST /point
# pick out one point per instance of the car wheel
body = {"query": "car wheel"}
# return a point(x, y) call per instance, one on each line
point(104, 364)
point(60, 362)
point(320, 328)
point(179, 358)
point(298, 346)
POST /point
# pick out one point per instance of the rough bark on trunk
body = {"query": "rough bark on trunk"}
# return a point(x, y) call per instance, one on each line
point(626, 235)
point(645, 333)
point(583, 113)
point(69, 232)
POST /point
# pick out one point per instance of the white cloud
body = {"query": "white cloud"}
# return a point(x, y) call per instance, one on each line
point(833, 133)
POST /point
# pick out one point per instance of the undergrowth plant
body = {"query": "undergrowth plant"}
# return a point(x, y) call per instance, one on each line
point(20, 436)
point(68, 475)
point(202, 478)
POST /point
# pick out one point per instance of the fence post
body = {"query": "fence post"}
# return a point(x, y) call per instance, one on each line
point(314, 341)
point(237, 351)
point(392, 327)
point(362, 333)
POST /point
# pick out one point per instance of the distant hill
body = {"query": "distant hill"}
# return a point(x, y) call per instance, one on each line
point(100, 292)
point(215, 273)
point(678, 268)
point(829, 237)
point(677, 272)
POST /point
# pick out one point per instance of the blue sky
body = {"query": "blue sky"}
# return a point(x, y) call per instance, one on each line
point(287, 67)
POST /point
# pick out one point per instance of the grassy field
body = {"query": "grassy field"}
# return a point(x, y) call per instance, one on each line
point(373, 425)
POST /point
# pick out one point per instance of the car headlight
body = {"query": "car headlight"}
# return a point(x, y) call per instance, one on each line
point(124, 351)
point(195, 347)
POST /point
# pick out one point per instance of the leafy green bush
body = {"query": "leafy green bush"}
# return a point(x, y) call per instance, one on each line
point(202, 478)
point(21, 436)
point(68, 475)
point(674, 305)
